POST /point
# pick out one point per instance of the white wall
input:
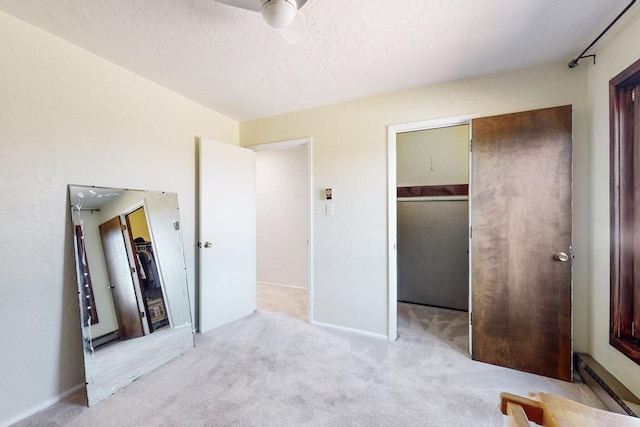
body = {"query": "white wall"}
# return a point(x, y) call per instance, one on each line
point(350, 156)
point(281, 205)
point(615, 52)
point(69, 117)
point(433, 157)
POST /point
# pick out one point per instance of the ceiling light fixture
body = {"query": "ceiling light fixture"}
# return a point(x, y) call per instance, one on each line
point(279, 13)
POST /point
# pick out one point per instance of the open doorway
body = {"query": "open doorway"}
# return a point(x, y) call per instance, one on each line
point(135, 282)
point(428, 186)
point(433, 217)
point(149, 279)
point(511, 201)
point(283, 227)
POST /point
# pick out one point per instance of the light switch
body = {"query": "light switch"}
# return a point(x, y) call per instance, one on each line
point(329, 209)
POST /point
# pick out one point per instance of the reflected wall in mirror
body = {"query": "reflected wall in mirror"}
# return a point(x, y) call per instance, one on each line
point(132, 284)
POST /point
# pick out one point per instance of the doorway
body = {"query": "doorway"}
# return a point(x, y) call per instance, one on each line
point(227, 230)
point(284, 219)
point(520, 239)
point(433, 217)
point(148, 277)
point(392, 203)
point(135, 282)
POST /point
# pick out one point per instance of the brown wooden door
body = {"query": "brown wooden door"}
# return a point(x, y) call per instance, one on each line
point(521, 218)
point(119, 271)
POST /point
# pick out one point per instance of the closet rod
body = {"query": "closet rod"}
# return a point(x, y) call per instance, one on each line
point(574, 62)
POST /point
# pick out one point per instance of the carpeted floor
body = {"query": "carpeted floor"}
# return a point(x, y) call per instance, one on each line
point(274, 369)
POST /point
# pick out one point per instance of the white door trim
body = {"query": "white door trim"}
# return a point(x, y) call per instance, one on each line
point(392, 211)
point(281, 145)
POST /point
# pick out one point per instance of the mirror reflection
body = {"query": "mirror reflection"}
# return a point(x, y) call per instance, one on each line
point(132, 286)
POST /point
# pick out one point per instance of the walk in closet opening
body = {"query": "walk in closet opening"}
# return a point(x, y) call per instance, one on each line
point(432, 178)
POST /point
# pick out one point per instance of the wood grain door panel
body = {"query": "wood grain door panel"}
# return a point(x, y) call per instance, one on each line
point(521, 217)
point(119, 272)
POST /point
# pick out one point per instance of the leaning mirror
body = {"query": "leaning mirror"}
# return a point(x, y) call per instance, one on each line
point(132, 284)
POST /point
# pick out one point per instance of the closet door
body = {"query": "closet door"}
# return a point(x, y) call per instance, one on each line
point(521, 241)
point(120, 280)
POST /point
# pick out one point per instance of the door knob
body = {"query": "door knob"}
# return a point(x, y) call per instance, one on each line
point(561, 256)
point(207, 244)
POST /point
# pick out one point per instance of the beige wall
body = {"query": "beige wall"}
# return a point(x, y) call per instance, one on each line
point(350, 156)
point(433, 157)
point(69, 117)
point(618, 50)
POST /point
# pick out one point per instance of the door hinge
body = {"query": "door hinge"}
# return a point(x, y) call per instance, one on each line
point(633, 95)
point(123, 227)
point(133, 269)
point(471, 318)
point(471, 232)
point(471, 145)
point(633, 329)
point(141, 314)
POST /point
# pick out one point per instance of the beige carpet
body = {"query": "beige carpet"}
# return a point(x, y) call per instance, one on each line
point(274, 369)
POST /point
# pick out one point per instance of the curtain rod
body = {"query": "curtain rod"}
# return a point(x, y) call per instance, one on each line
point(574, 62)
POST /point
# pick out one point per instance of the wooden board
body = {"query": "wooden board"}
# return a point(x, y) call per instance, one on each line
point(119, 271)
point(556, 411)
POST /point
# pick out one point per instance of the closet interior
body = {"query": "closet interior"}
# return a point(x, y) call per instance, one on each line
point(433, 217)
point(156, 313)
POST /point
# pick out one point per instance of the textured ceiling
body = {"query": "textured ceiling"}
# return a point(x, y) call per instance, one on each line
point(229, 60)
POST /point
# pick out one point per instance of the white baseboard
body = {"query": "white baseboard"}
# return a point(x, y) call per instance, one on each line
point(39, 407)
point(281, 285)
point(350, 330)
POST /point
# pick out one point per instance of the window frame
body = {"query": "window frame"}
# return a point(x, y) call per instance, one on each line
point(625, 212)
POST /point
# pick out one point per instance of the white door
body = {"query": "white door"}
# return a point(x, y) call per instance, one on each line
point(227, 233)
